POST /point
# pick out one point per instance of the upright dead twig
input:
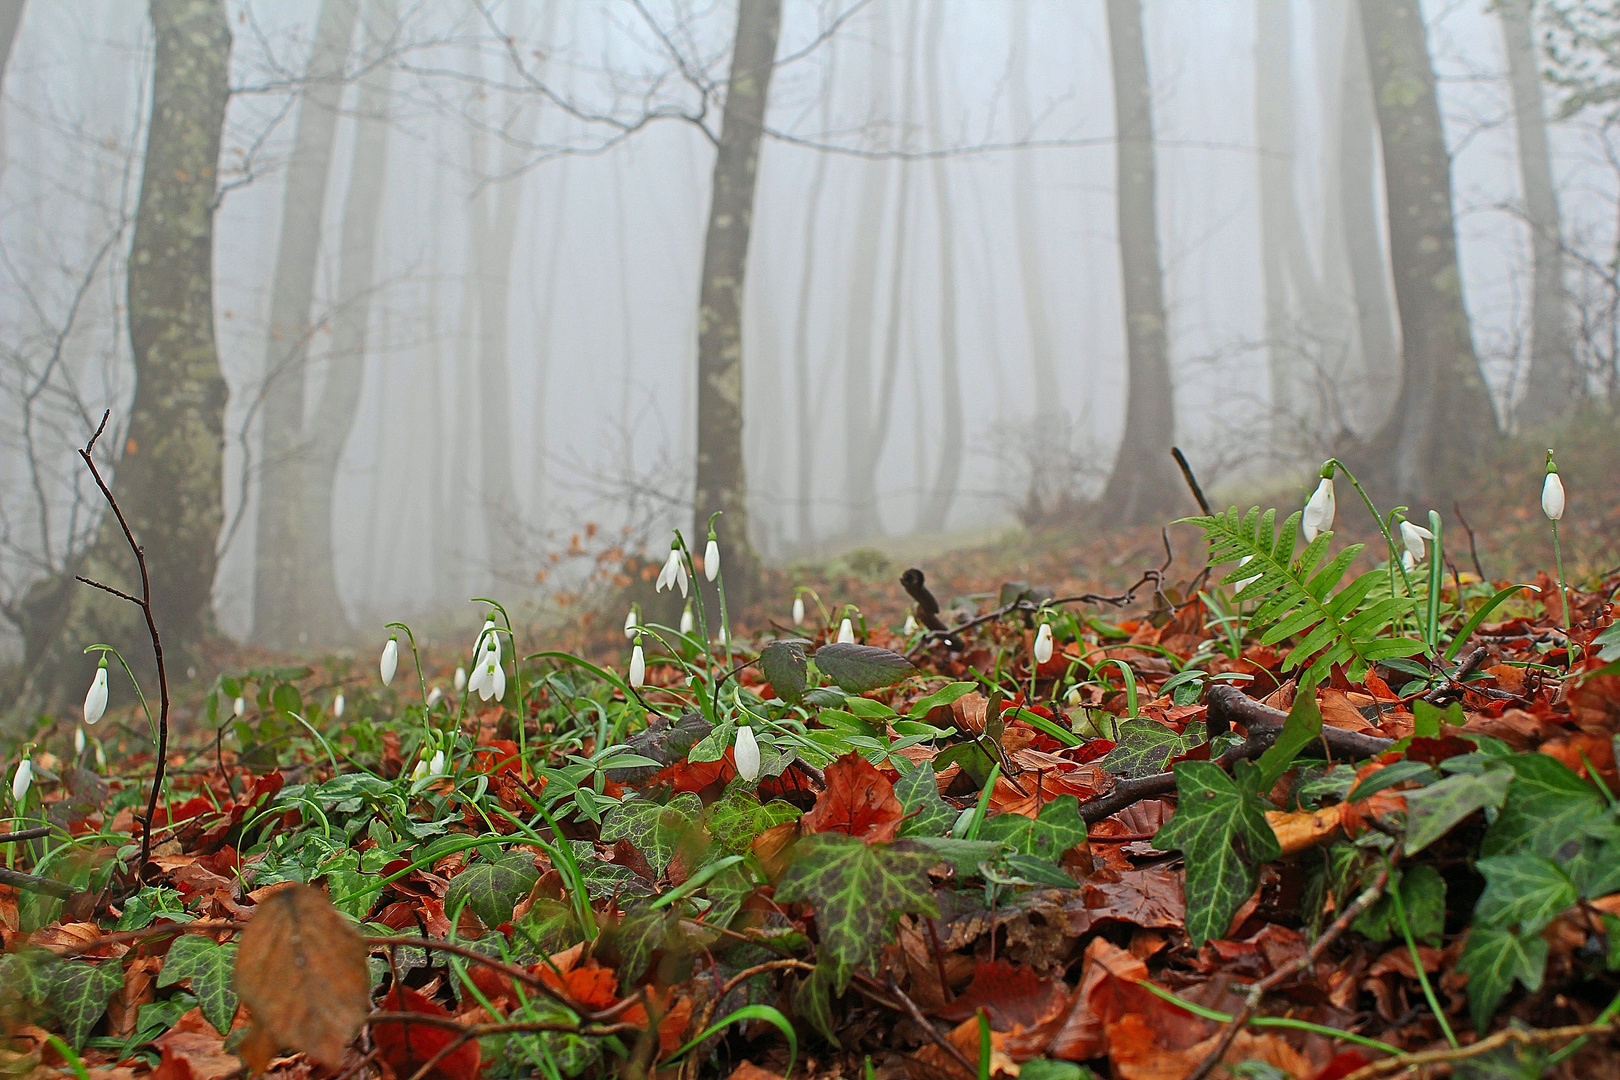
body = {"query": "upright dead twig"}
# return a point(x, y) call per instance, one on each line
point(144, 602)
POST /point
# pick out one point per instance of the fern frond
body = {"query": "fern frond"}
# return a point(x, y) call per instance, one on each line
point(1297, 597)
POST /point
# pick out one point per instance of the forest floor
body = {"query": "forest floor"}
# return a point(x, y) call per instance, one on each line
point(1357, 823)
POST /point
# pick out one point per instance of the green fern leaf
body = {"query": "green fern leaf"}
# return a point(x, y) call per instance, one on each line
point(1296, 595)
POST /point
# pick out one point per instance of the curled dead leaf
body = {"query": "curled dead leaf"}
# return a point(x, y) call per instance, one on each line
point(301, 968)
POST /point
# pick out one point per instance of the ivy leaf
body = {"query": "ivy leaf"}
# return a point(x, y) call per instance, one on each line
point(1432, 811)
point(1223, 836)
point(1526, 891)
point(655, 831)
point(1492, 959)
point(783, 665)
point(855, 888)
point(859, 668)
point(926, 813)
point(211, 967)
point(1549, 807)
point(494, 887)
point(1143, 748)
point(78, 993)
point(738, 817)
point(1423, 896)
point(1056, 830)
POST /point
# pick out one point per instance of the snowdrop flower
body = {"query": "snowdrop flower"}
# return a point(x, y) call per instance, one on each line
point(798, 611)
point(25, 777)
point(638, 667)
point(1318, 516)
point(337, 706)
point(420, 771)
point(846, 633)
point(674, 571)
point(630, 624)
point(1552, 492)
point(722, 637)
point(711, 558)
point(1072, 698)
point(488, 641)
point(460, 680)
point(390, 660)
point(1413, 536)
point(1043, 643)
point(239, 707)
point(747, 753)
point(911, 625)
point(78, 741)
point(686, 620)
point(1244, 583)
point(434, 697)
point(491, 680)
point(436, 766)
point(95, 701)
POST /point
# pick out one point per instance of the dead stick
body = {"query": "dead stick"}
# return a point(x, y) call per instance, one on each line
point(933, 1033)
point(1522, 1036)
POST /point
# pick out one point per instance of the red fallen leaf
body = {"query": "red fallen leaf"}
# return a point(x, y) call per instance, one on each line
point(590, 984)
point(1345, 1063)
point(694, 776)
point(498, 756)
point(858, 801)
point(1435, 751)
point(1010, 993)
point(193, 1050)
point(406, 1047)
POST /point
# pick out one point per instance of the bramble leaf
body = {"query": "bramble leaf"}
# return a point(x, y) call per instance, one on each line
point(856, 888)
point(1223, 835)
point(211, 967)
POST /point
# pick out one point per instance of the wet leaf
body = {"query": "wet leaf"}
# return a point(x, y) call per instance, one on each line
point(783, 664)
point(1143, 748)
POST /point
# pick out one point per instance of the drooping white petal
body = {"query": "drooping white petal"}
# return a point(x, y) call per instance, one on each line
point(485, 677)
point(687, 622)
point(337, 706)
point(435, 696)
point(846, 633)
point(21, 780)
point(239, 707)
point(475, 684)
point(420, 771)
point(78, 741)
point(436, 766)
point(499, 678)
point(711, 560)
point(1408, 563)
point(460, 680)
point(1413, 536)
point(911, 625)
point(1318, 517)
point(1043, 643)
point(630, 624)
point(390, 660)
point(1552, 497)
point(747, 753)
point(638, 668)
point(95, 701)
point(673, 573)
point(798, 611)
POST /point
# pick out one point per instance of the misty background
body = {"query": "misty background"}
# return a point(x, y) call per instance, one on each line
point(458, 248)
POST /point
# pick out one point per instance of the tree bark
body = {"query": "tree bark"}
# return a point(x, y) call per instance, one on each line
point(1444, 416)
point(1552, 383)
point(169, 477)
point(280, 558)
point(340, 397)
point(1143, 486)
point(948, 475)
point(720, 477)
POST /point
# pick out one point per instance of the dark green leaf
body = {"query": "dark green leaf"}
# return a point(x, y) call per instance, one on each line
point(211, 967)
point(1524, 891)
point(737, 818)
point(1142, 749)
point(943, 696)
point(1423, 897)
point(286, 698)
point(492, 888)
point(926, 813)
point(1431, 812)
point(655, 831)
point(78, 993)
point(856, 889)
point(859, 668)
point(1397, 772)
point(784, 667)
point(1548, 810)
point(1492, 959)
point(1223, 836)
point(973, 758)
point(963, 855)
point(1057, 829)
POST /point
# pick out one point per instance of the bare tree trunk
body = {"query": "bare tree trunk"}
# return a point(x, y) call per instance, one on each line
point(859, 326)
point(1361, 228)
point(1444, 416)
point(1143, 485)
point(721, 483)
point(537, 425)
point(1551, 384)
point(169, 477)
point(279, 559)
point(948, 476)
point(340, 398)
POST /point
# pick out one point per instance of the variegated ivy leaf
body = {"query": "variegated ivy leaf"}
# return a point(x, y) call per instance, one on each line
point(738, 817)
point(78, 992)
point(1221, 831)
point(654, 830)
point(211, 967)
point(492, 888)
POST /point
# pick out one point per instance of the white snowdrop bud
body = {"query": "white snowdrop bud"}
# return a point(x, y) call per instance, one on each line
point(337, 705)
point(687, 622)
point(239, 707)
point(420, 771)
point(747, 753)
point(638, 667)
point(1318, 517)
point(1413, 536)
point(460, 680)
point(78, 741)
point(798, 611)
point(436, 768)
point(435, 696)
point(630, 624)
point(846, 633)
point(1043, 643)
point(711, 559)
point(674, 571)
point(95, 701)
point(1552, 495)
point(21, 781)
point(390, 660)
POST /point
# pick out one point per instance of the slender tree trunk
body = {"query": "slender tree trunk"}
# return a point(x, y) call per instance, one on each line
point(720, 478)
point(936, 510)
point(1551, 384)
point(1143, 486)
point(340, 397)
point(1444, 416)
point(1360, 228)
point(280, 558)
point(169, 476)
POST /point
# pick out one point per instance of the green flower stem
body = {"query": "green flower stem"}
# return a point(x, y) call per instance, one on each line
point(1417, 963)
point(1383, 526)
point(1563, 592)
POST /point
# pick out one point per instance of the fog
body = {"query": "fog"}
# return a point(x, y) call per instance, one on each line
point(933, 334)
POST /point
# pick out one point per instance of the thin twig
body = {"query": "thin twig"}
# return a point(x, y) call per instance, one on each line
point(1259, 990)
point(27, 834)
point(1192, 481)
point(145, 604)
point(1521, 1036)
point(33, 883)
point(1473, 551)
point(932, 1032)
